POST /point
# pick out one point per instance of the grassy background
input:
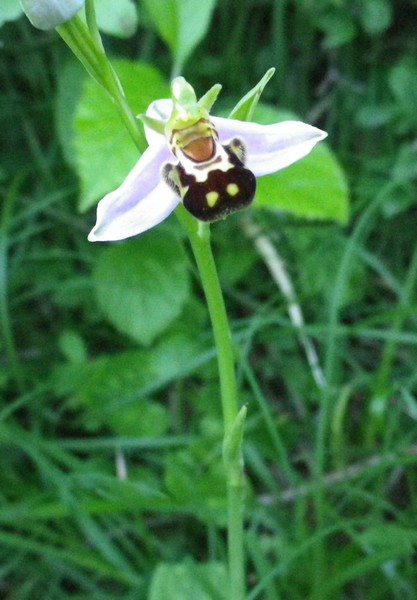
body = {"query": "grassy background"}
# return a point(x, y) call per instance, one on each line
point(331, 478)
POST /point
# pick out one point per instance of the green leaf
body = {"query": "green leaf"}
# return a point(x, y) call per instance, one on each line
point(319, 250)
point(390, 537)
point(117, 18)
point(72, 346)
point(375, 16)
point(314, 187)
point(194, 479)
point(70, 84)
point(189, 581)
point(245, 108)
point(402, 80)
point(111, 390)
point(141, 285)
point(182, 24)
point(338, 28)
point(105, 152)
point(10, 10)
point(373, 115)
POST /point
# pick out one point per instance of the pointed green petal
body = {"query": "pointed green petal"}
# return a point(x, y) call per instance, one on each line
point(154, 124)
point(210, 97)
point(245, 108)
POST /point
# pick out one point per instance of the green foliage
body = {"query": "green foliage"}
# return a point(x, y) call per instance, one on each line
point(338, 28)
point(315, 187)
point(245, 108)
point(341, 22)
point(189, 581)
point(98, 131)
point(320, 252)
point(111, 475)
point(142, 285)
point(375, 16)
point(71, 82)
point(194, 479)
point(181, 24)
point(117, 18)
point(10, 10)
point(403, 84)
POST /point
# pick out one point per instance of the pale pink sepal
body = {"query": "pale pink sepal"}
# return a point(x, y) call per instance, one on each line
point(142, 201)
point(270, 148)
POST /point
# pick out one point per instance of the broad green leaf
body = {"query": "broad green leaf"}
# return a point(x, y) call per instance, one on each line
point(338, 28)
point(245, 108)
point(373, 115)
point(182, 24)
point(10, 10)
point(375, 16)
point(111, 390)
point(72, 346)
point(389, 536)
point(237, 256)
point(189, 581)
point(319, 250)
point(402, 80)
point(141, 285)
point(105, 152)
point(117, 18)
point(194, 479)
point(314, 187)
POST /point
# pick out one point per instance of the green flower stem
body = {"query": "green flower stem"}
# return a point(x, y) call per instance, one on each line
point(75, 34)
point(86, 44)
point(112, 82)
point(199, 236)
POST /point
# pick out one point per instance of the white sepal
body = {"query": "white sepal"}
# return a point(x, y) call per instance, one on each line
point(141, 202)
point(47, 14)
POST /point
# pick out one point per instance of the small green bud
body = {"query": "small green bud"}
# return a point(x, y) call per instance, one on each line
point(232, 448)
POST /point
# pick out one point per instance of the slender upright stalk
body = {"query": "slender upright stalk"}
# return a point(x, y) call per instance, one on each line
point(86, 45)
point(6, 329)
point(199, 237)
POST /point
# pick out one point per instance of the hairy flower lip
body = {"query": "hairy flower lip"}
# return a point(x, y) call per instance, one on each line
point(143, 200)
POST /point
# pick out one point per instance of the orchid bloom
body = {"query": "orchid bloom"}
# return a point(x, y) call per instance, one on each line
point(208, 163)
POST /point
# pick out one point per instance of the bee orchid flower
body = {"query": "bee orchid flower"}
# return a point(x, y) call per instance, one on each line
point(210, 164)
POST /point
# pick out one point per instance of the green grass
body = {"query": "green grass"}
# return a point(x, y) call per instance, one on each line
point(331, 472)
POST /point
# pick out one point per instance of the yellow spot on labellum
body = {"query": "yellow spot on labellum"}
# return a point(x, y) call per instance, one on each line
point(212, 198)
point(232, 189)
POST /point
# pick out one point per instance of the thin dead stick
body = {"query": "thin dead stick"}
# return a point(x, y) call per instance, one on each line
point(277, 269)
point(121, 467)
point(343, 476)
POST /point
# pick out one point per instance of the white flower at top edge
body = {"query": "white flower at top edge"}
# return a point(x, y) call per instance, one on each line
point(208, 163)
point(47, 14)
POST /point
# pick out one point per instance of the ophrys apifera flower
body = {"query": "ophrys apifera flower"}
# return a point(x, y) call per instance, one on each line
point(208, 163)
